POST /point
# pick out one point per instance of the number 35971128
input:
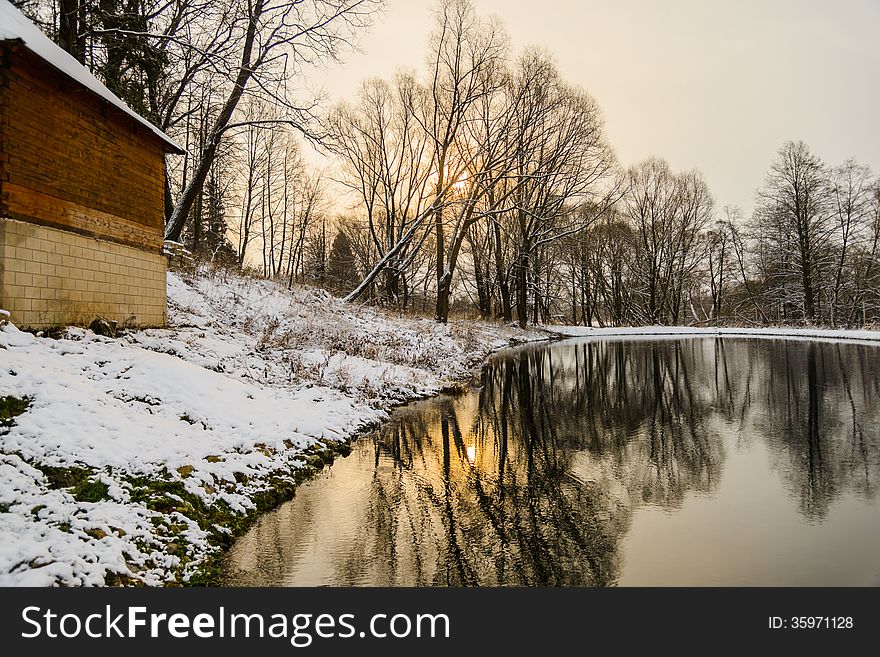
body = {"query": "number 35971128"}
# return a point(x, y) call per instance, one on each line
point(810, 623)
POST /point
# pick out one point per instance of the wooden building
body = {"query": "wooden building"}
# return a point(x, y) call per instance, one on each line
point(82, 184)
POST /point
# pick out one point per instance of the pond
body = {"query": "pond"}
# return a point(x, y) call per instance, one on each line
point(681, 462)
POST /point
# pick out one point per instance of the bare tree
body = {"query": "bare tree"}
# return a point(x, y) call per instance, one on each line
point(560, 161)
point(669, 212)
point(278, 40)
point(851, 190)
point(466, 63)
point(720, 260)
point(793, 220)
point(384, 151)
point(466, 60)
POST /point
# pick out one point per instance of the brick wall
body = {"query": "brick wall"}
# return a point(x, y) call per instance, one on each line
point(51, 277)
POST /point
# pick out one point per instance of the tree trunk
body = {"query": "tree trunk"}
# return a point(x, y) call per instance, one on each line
point(392, 284)
point(522, 301)
point(444, 288)
point(69, 29)
point(442, 307)
point(193, 189)
point(501, 274)
point(197, 225)
point(809, 299)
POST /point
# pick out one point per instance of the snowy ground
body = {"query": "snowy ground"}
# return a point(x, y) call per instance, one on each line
point(137, 457)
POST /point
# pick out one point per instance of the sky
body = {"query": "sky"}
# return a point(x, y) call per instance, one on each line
point(706, 84)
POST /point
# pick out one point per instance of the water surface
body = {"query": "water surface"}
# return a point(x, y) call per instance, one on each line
point(699, 461)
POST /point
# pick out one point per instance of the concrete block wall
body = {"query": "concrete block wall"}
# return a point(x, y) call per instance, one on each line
point(51, 277)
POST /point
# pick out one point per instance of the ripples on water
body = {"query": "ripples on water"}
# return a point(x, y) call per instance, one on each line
point(701, 461)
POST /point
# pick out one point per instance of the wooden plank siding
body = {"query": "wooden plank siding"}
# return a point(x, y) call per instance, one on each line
point(4, 154)
point(70, 160)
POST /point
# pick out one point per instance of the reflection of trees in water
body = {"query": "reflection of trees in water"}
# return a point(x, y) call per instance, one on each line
point(823, 422)
point(646, 406)
point(488, 488)
point(533, 479)
point(554, 528)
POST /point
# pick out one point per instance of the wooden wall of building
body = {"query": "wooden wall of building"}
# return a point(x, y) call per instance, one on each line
point(70, 160)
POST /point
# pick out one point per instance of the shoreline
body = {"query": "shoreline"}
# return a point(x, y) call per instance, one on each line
point(561, 333)
point(209, 572)
point(864, 336)
point(139, 460)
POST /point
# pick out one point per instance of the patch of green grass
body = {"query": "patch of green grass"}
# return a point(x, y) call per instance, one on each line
point(162, 495)
point(120, 579)
point(66, 477)
point(91, 491)
point(11, 407)
point(166, 496)
point(83, 487)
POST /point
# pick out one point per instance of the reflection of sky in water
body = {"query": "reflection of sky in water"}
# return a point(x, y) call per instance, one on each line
point(672, 462)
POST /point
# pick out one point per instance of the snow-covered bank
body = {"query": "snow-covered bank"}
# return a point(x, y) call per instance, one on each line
point(685, 331)
point(135, 458)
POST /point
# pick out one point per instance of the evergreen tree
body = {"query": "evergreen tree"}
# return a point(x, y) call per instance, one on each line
point(342, 274)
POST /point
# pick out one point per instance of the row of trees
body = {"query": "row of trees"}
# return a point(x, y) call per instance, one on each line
point(491, 175)
point(482, 184)
point(482, 165)
point(666, 255)
point(813, 241)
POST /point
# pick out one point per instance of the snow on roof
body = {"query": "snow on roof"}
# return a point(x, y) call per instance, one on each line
point(14, 26)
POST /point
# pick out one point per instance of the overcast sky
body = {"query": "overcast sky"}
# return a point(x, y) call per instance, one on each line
point(716, 85)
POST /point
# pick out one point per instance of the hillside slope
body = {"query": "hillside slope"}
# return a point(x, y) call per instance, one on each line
point(136, 458)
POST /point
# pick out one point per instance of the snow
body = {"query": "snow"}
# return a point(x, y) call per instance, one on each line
point(15, 26)
point(38, 550)
point(247, 378)
point(847, 335)
point(117, 400)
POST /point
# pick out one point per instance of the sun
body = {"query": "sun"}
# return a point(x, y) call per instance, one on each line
point(459, 187)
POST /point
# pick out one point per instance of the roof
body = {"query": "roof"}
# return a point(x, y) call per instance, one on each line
point(14, 26)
